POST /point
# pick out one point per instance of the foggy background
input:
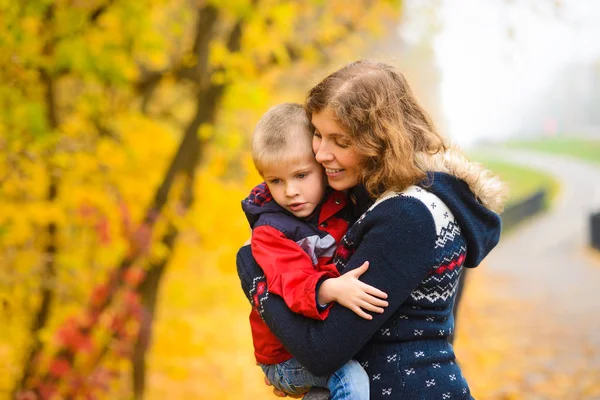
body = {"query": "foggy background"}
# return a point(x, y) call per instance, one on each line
point(509, 68)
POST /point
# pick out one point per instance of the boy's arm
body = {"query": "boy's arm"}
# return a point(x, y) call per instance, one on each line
point(289, 271)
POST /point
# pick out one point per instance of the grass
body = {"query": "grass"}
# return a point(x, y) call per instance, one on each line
point(522, 181)
point(582, 149)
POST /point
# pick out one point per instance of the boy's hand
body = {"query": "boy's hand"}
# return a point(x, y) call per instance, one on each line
point(353, 294)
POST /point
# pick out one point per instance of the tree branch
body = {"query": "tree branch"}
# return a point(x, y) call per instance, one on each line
point(98, 12)
point(207, 19)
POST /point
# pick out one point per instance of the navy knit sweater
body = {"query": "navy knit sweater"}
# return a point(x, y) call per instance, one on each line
point(417, 243)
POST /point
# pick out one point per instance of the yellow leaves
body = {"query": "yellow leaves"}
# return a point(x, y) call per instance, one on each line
point(158, 251)
point(31, 25)
point(103, 49)
point(44, 213)
point(281, 14)
point(229, 66)
point(233, 141)
point(17, 230)
point(330, 31)
point(166, 26)
point(281, 55)
point(205, 132)
point(252, 177)
point(278, 29)
point(213, 355)
point(233, 8)
point(106, 153)
point(218, 78)
point(218, 53)
point(217, 215)
point(110, 153)
point(141, 159)
point(123, 67)
point(30, 115)
point(509, 350)
point(246, 100)
point(156, 59)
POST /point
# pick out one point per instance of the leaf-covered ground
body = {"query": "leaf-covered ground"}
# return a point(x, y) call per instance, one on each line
point(508, 350)
point(203, 350)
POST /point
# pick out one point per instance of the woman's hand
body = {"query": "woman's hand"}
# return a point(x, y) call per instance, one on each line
point(353, 294)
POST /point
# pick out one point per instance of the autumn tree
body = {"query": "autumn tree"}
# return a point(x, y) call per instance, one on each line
point(111, 111)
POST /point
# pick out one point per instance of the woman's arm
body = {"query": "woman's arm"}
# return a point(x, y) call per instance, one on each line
point(397, 237)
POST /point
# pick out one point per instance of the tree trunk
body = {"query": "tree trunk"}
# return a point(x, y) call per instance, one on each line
point(48, 272)
point(187, 163)
point(149, 292)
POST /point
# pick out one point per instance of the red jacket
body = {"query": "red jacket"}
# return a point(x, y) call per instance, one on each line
point(295, 256)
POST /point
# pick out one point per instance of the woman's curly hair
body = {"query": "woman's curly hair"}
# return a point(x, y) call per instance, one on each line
point(374, 104)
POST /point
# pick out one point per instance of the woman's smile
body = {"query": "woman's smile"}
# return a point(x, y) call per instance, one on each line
point(332, 173)
point(334, 150)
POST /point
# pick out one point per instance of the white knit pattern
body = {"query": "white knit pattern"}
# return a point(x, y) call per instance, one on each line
point(445, 223)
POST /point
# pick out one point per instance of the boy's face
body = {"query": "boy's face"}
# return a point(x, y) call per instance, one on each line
point(296, 186)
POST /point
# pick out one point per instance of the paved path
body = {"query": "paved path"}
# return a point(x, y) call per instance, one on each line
point(545, 284)
point(550, 255)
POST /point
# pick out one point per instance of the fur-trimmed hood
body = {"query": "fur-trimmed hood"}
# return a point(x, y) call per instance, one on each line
point(473, 194)
point(487, 187)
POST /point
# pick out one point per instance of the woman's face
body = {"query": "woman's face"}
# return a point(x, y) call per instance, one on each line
point(335, 151)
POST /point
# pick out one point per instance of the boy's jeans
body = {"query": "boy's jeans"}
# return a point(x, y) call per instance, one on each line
point(349, 382)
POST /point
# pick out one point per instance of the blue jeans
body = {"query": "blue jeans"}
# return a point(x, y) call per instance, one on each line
point(349, 382)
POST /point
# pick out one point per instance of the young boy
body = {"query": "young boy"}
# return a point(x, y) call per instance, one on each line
point(297, 222)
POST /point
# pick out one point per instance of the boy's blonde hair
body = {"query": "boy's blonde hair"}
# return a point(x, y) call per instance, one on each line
point(283, 134)
point(374, 104)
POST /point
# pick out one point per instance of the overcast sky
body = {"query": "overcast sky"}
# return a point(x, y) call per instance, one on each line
point(497, 56)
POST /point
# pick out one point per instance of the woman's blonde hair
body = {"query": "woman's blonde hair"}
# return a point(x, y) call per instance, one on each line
point(374, 104)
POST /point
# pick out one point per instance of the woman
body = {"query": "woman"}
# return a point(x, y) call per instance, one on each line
point(432, 214)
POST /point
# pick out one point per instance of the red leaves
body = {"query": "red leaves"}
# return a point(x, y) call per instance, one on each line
point(109, 326)
point(60, 367)
point(43, 391)
point(99, 295)
point(72, 336)
point(100, 222)
point(103, 230)
point(28, 395)
point(46, 390)
point(134, 276)
point(132, 301)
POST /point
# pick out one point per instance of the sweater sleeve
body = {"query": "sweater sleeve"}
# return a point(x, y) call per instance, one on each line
point(398, 239)
point(290, 271)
